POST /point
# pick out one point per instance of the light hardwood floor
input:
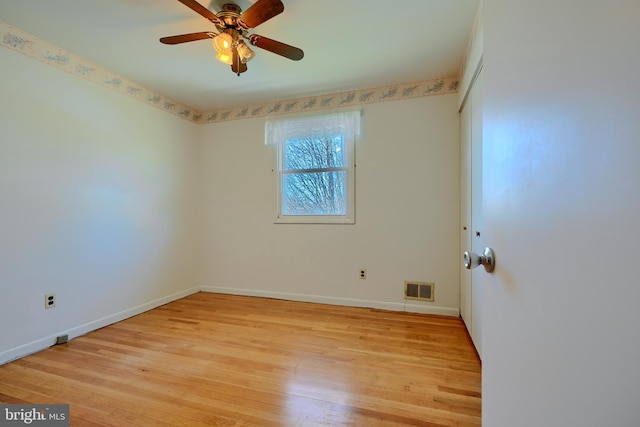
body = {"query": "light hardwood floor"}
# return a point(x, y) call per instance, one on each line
point(222, 360)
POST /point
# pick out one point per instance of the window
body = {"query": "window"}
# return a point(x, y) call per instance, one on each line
point(315, 157)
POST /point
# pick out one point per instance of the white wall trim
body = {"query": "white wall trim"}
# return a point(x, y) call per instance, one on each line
point(46, 342)
point(410, 307)
point(473, 59)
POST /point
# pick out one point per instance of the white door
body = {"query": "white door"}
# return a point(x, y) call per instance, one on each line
point(476, 211)
point(471, 210)
point(561, 324)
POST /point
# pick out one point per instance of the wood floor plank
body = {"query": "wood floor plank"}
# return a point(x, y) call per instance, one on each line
point(224, 360)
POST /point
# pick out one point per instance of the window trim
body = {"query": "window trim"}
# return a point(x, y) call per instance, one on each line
point(350, 136)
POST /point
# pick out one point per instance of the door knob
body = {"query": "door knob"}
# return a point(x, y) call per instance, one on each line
point(488, 259)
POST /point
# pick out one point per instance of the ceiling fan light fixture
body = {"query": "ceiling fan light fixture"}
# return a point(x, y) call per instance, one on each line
point(222, 42)
point(232, 24)
point(225, 58)
point(245, 52)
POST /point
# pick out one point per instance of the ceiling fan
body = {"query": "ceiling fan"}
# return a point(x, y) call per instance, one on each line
point(233, 26)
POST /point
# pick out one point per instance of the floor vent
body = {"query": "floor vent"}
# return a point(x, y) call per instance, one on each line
point(419, 290)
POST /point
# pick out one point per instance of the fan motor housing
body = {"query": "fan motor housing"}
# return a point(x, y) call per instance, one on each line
point(229, 14)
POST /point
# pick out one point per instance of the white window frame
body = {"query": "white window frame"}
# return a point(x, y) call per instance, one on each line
point(348, 125)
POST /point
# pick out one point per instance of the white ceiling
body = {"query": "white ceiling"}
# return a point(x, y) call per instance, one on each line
point(348, 45)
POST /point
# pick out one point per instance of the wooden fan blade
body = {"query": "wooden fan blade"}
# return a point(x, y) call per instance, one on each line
point(201, 10)
point(261, 11)
point(237, 65)
point(183, 38)
point(276, 47)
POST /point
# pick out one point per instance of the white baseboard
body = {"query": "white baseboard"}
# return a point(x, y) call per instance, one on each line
point(46, 342)
point(410, 307)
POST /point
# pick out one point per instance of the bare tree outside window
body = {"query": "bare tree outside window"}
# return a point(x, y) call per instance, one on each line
point(314, 176)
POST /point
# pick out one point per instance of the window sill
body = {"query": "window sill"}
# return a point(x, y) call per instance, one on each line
point(314, 219)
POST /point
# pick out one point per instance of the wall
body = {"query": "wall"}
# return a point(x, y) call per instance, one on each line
point(407, 214)
point(561, 206)
point(98, 205)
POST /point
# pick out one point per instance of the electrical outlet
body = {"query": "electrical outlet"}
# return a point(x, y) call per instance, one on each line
point(49, 300)
point(363, 274)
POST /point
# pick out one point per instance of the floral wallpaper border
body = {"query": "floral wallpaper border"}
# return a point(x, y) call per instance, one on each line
point(29, 45)
point(50, 54)
point(336, 100)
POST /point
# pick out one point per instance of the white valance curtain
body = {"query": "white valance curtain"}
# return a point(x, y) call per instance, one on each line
point(346, 123)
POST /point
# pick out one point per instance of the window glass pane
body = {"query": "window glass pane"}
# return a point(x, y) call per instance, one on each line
point(318, 193)
point(314, 153)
